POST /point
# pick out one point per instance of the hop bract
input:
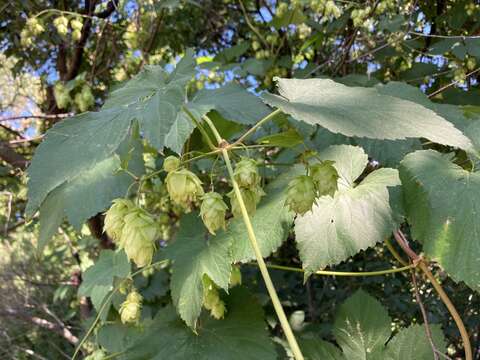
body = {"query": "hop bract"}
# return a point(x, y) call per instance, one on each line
point(114, 219)
point(325, 177)
point(246, 173)
point(138, 236)
point(184, 187)
point(171, 163)
point(301, 194)
point(131, 308)
point(251, 197)
point(213, 211)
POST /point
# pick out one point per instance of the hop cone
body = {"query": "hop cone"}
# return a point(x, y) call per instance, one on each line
point(246, 173)
point(114, 219)
point(212, 211)
point(138, 236)
point(235, 276)
point(211, 299)
point(325, 177)
point(250, 197)
point(171, 163)
point(131, 308)
point(300, 194)
point(184, 187)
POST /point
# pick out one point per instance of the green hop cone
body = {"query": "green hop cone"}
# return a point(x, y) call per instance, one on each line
point(211, 299)
point(246, 173)
point(171, 163)
point(114, 219)
point(218, 310)
point(251, 197)
point(325, 177)
point(235, 276)
point(61, 24)
point(131, 308)
point(184, 187)
point(138, 236)
point(213, 211)
point(61, 94)
point(300, 194)
point(76, 24)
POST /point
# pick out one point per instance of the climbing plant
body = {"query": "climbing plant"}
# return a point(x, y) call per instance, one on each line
point(198, 185)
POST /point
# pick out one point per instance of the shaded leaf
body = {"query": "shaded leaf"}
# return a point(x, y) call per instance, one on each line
point(441, 202)
point(98, 279)
point(194, 256)
point(242, 335)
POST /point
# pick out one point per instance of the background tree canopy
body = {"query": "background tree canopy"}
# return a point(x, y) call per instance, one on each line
point(417, 59)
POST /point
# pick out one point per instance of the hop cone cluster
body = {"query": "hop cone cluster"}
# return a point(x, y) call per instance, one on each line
point(325, 177)
point(183, 186)
point(303, 190)
point(131, 308)
point(114, 219)
point(248, 179)
point(213, 211)
point(301, 194)
point(211, 299)
point(133, 230)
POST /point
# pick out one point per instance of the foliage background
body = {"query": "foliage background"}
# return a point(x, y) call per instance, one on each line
point(363, 42)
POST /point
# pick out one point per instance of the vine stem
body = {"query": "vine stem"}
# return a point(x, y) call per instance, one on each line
point(254, 127)
point(345, 273)
point(402, 241)
point(104, 306)
point(292, 341)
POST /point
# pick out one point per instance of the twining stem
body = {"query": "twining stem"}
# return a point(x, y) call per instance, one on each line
point(256, 126)
point(106, 302)
point(258, 254)
point(345, 273)
point(401, 240)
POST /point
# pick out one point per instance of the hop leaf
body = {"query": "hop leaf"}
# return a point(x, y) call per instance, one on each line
point(114, 219)
point(171, 163)
point(301, 194)
point(251, 197)
point(246, 173)
point(213, 211)
point(325, 177)
point(131, 308)
point(184, 187)
point(138, 236)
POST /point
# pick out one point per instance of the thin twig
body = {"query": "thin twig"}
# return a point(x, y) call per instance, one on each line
point(28, 117)
point(428, 331)
point(460, 37)
point(452, 83)
point(402, 241)
point(251, 26)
